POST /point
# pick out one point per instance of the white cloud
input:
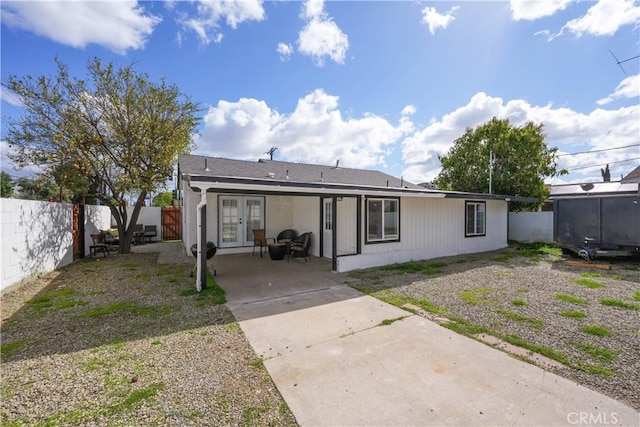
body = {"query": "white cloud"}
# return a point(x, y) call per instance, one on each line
point(315, 132)
point(321, 37)
point(116, 25)
point(536, 9)
point(564, 128)
point(605, 18)
point(210, 13)
point(628, 88)
point(285, 50)
point(7, 165)
point(435, 20)
point(312, 9)
point(9, 97)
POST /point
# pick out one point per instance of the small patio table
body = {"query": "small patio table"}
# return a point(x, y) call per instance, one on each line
point(277, 251)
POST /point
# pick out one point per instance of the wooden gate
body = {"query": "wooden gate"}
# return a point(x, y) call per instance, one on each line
point(77, 222)
point(171, 223)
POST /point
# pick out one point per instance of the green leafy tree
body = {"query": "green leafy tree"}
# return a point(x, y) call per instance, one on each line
point(6, 185)
point(117, 133)
point(163, 199)
point(522, 161)
point(41, 187)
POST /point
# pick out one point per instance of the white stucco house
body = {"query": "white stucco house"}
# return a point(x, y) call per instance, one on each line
point(358, 218)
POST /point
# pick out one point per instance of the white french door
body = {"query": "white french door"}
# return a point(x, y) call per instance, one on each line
point(238, 217)
point(327, 228)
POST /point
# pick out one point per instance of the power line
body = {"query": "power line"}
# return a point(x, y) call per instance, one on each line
point(597, 151)
point(604, 164)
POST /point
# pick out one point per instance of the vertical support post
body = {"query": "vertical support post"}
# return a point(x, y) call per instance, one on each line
point(201, 241)
point(334, 234)
point(359, 221)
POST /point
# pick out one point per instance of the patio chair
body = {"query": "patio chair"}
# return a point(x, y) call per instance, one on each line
point(300, 245)
point(99, 245)
point(260, 240)
point(286, 236)
point(138, 234)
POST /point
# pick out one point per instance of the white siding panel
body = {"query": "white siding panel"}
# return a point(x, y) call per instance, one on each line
point(306, 217)
point(279, 214)
point(432, 228)
point(346, 226)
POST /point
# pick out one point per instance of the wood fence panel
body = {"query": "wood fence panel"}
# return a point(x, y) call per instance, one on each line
point(76, 228)
point(171, 223)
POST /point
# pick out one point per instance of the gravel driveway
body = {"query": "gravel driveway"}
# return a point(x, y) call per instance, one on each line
point(588, 319)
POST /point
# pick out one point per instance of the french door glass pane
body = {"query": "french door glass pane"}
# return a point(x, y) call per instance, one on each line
point(230, 220)
point(253, 217)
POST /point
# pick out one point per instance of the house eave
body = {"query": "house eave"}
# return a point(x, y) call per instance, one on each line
point(255, 185)
point(239, 184)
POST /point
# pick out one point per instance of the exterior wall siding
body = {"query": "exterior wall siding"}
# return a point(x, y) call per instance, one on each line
point(306, 217)
point(429, 228)
point(346, 226)
point(432, 228)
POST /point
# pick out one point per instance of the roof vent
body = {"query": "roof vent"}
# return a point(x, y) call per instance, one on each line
point(271, 175)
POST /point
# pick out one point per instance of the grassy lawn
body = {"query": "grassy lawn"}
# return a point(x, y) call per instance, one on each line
point(123, 340)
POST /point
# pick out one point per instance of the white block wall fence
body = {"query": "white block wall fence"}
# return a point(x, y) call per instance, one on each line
point(531, 227)
point(36, 237)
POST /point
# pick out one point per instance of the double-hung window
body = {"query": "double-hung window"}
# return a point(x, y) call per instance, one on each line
point(383, 220)
point(475, 219)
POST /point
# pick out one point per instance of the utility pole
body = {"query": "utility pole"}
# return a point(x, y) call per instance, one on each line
point(491, 160)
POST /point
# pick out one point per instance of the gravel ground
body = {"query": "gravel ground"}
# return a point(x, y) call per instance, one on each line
point(121, 341)
point(507, 294)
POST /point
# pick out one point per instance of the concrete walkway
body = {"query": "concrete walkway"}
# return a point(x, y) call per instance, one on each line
point(336, 364)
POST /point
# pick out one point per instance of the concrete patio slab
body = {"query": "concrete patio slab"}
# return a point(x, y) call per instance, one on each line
point(416, 373)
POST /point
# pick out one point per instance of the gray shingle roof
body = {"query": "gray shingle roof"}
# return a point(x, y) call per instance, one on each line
point(634, 176)
point(294, 172)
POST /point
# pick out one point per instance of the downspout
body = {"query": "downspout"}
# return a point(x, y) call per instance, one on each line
point(200, 241)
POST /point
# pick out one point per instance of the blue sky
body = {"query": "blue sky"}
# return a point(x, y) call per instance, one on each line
point(386, 85)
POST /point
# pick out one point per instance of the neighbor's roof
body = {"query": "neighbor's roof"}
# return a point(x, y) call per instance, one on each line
point(294, 172)
point(592, 188)
point(215, 173)
point(633, 176)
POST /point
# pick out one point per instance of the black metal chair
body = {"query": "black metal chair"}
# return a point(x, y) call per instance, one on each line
point(138, 234)
point(99, 245)
point(286, 235)
point(300, 245)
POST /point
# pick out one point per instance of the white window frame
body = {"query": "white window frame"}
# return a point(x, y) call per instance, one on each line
point(472, 225)
point(393, 237)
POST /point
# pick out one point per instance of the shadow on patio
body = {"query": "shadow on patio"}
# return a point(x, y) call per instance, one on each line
point(257, 287)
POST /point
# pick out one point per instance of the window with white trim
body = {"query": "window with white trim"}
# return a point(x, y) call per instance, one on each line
point(475, 219)
point(383, 220)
